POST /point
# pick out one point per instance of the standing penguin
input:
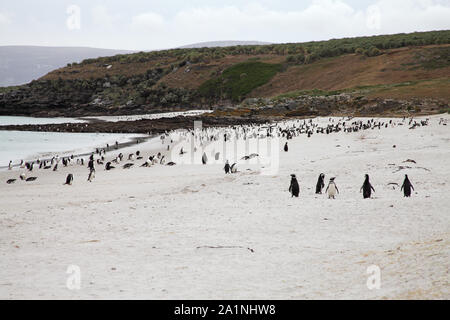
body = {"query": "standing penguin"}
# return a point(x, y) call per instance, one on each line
point(367, 188)
point(10, 165)
point(332, 189)
point(286, 148)
point(227, 167)
point(406, 187)
point(204, 158)
point(320, 184)
point(294, 188)
point(69, 179)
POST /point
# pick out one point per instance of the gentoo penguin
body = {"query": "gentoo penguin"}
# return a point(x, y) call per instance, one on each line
point(286, 148)
point(406, 187)
point(9, 181)
point(233, 168)
point(367, 188)
point(294, 188)
point(30, 179)
point(22, 176)
point(10, 165)
point(227, 167)
point(91, 175)
point(69, 179)
point(204, 158)
point(320, 184)
point(332, 189)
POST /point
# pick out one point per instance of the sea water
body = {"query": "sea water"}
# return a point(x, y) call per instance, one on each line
point(29, 145)
point(13, 120)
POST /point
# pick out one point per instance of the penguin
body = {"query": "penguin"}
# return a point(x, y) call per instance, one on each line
point(22, 176)
point(406, 187)
point(9, 181)
point(127, 165)
point(55, 168)
point(294, 188)
point(233, 168)
point(320, 184)
point(108, 166)
point(286, 148)
point(10, 165)
point(30, 179)
point(332, 189)
point(227, 167)
point(171, 163)
point(204, 158)
point(367, 188)
point(91, 175)
point(69, 179)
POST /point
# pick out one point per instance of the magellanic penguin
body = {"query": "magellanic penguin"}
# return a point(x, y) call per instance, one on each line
point(406, 187)
point(294, 188)
point(367, 188)
point(320, 184)
point(332, 189)
point(69, 179)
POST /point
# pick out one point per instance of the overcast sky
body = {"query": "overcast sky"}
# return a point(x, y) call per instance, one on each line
point(155, 24)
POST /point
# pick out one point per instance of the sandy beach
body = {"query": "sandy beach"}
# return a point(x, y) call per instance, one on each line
point(189, 231)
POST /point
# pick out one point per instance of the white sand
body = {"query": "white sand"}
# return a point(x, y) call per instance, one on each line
point(135, 233)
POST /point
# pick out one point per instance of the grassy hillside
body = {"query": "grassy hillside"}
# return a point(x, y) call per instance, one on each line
point(402, 66)
point(239, 80)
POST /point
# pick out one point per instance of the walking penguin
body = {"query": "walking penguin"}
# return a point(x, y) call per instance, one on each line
point(320, 184)
point(332, 189)
point(294, 188)
point(406, 187)
point(367, 188)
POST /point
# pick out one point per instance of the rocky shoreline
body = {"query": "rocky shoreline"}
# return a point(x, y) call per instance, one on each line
point(144, 126)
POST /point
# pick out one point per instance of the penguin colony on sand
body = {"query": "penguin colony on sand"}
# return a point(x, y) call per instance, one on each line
point(287, 130)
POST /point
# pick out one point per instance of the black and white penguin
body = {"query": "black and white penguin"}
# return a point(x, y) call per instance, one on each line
point(294, 188)
point(367, 188)
point(9, 181)
point(69, 179)
point(10, 165)
point(332, 189)
point(406, 187)
point(55, 168)
point(204, 158)
point(108, 166)
point(233, 168)
point(227, 167)
point(30, 179)
point(286, 148)
point(320, 183)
